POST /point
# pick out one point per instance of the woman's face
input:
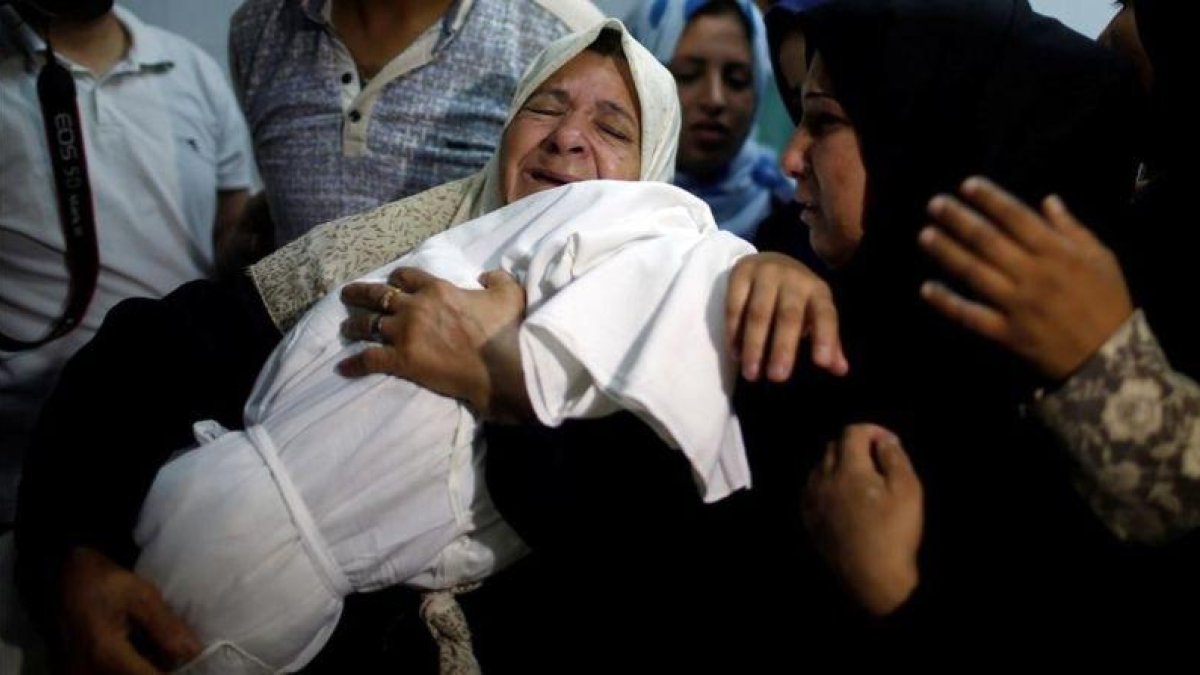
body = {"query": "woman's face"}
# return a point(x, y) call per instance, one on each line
point(824, 157)
point(714, 72)
point(582, 123)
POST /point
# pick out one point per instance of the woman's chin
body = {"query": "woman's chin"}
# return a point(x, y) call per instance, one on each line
point(834, 254)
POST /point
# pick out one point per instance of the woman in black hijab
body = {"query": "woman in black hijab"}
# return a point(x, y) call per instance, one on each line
point(1126, 407)
point(936, 91)
point(933, 91)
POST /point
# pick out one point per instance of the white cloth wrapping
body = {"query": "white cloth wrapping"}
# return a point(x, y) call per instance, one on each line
point(355, 484)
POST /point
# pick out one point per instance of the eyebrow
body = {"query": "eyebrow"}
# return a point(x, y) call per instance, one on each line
point(561, 96)
point(702, 61)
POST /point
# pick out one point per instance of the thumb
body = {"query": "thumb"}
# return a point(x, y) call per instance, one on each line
point(893, 462)
point(497, 279)
point(502, 286)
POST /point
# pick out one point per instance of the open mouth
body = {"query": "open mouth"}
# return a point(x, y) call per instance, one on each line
point(808, 212)
point(551, 178)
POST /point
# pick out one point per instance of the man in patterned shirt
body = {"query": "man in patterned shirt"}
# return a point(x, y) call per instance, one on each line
point(355, 103)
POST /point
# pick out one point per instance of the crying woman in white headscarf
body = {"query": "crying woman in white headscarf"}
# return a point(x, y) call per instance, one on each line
point(341, 485)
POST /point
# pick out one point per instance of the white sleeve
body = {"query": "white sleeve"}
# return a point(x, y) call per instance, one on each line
point(640, 326)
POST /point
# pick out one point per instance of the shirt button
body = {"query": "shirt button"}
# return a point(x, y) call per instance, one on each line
point(355, 116)
point(347, 78)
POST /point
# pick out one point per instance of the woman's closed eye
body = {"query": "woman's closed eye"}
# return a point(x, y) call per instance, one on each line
point(615, 133)
point(549, 103)
point(822, 122)
point(687, 75)
point(543, 110)
point(738, 77)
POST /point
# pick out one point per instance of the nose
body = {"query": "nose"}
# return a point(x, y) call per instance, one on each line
point(568, 137)
point(712, 93)
point(795, 158)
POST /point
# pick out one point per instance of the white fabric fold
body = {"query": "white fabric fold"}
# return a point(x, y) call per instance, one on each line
point(629, 313)
point(354, 484)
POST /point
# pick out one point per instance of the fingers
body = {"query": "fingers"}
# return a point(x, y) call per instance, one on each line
point(893, 462)
point(854, 448)
point(971, 315)
point(375, 327)
point(498, 280)
point(799, 312)
point(1025, 226)
point(101, 603)
point(964, 264)
point(374, 297)
point(871, 451)
point(373, 360)
point(975, 233)
point(826, 343)
point(1064, 222)
point(867, 432)
point(774, 299)
point(786, 331)
point(166, 630)
point(738, 293)
point(389, 296)
point(756, 326)
point(502, 286)
point(411, 279)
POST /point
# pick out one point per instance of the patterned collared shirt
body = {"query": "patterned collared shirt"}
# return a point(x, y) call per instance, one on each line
point(329, 144)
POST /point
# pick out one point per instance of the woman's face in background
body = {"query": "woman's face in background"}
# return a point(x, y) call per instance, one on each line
point(714, 72)
point(824, 156)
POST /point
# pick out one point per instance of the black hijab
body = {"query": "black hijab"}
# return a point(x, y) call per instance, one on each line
point(1161, 240)
point(939, 90)
point(1163, 26)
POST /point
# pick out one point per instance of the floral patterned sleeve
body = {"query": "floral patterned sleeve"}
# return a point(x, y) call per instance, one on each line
point(1133, 425)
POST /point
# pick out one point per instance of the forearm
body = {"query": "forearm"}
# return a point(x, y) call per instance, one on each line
point(1133, 425)
point(243, 232)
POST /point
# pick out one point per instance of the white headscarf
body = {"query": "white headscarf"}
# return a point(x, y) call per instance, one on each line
point(297, 275)
point(655, 89)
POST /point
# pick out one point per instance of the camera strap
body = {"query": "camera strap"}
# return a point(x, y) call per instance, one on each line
point(64, 137)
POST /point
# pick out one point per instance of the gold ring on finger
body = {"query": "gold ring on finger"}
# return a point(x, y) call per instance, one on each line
point(386, 301)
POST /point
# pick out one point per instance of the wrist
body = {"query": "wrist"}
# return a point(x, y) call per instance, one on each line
point(1087, 347)
point(886, 588)
point(507, 399)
